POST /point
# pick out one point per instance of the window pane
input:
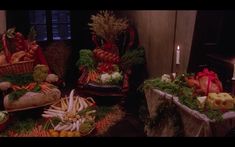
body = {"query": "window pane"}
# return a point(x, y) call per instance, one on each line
point(60, 16)
point(61, 31)
point(41, 32)
point(37, 17)
point(61, 25)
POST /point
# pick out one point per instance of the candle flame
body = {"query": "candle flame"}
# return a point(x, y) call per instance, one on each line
point(178, 47)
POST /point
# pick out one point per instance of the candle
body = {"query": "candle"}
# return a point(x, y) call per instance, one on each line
point(178, 55)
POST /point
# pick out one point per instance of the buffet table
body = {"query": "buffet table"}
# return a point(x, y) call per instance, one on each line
point(195, 124)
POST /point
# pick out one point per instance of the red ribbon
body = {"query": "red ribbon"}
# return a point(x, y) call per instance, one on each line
point(212, 77)
point(132, 37)
point(94, 39)
point(40, 58)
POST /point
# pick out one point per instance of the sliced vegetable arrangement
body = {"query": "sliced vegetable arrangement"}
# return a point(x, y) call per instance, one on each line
point(75, 113)
point(26, 126)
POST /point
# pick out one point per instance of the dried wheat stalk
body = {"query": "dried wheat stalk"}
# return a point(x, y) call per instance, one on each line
point(106, 25)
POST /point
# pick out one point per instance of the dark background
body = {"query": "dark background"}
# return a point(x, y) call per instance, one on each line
point(213, 41)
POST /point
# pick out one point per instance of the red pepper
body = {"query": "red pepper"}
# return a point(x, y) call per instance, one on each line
point(105, 67)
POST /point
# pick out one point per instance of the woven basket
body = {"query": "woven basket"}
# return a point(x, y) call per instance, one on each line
point(14, 68)
point(17, 68)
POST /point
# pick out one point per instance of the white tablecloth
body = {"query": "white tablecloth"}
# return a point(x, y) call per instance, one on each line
point(195, 124)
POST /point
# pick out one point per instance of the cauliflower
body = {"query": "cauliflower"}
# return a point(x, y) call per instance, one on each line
point(105, 78)
point(40, 72)
point(166, 78)
point(113, 78)
point(52, 78)
point(116, 75)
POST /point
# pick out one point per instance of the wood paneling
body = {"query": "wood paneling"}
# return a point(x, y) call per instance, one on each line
point(156, 34)
point(184, 32)
point(160, 50)
point(159, 35)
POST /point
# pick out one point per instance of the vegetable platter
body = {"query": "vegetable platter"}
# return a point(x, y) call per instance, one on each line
point(73, 115)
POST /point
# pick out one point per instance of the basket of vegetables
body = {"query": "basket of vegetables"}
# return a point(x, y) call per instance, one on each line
point(97, 75)
point(17, 55)
point(71, 116)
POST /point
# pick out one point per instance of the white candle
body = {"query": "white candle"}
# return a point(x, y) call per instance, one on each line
point(178, 55)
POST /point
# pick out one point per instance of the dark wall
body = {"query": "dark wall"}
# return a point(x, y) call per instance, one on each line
point(81, 39)
point(207, 36)
point(213, 44)
point(18, 19)
point(227, 36)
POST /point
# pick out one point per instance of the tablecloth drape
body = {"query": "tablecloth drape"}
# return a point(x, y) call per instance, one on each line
point(195, 124)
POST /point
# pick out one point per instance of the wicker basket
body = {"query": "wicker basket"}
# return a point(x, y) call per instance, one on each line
point(20, 67)
point(17, 68)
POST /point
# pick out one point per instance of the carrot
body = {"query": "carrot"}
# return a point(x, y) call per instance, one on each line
point(88, 79)
point(15, 87)
point(31, 86)
point(92, 76)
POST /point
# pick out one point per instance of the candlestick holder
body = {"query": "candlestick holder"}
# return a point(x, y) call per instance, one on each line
point(177, 69)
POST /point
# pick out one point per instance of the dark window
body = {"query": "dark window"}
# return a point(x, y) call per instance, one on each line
point(61, 28)
point(38, 20)
point(51, 25)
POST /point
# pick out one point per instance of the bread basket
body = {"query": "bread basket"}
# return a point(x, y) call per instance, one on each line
point(19, 67)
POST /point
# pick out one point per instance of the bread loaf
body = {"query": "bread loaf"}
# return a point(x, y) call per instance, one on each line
point(32, 100)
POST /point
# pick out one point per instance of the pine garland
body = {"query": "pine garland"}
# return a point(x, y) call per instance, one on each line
point(133, 57)
point(167, 110)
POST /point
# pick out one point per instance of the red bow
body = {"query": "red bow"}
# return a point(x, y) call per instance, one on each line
point(212, 76)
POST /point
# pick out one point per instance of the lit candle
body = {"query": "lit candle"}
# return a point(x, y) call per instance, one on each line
point(178, 55)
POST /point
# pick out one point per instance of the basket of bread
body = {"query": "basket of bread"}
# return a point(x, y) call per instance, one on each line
point(17, 53)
